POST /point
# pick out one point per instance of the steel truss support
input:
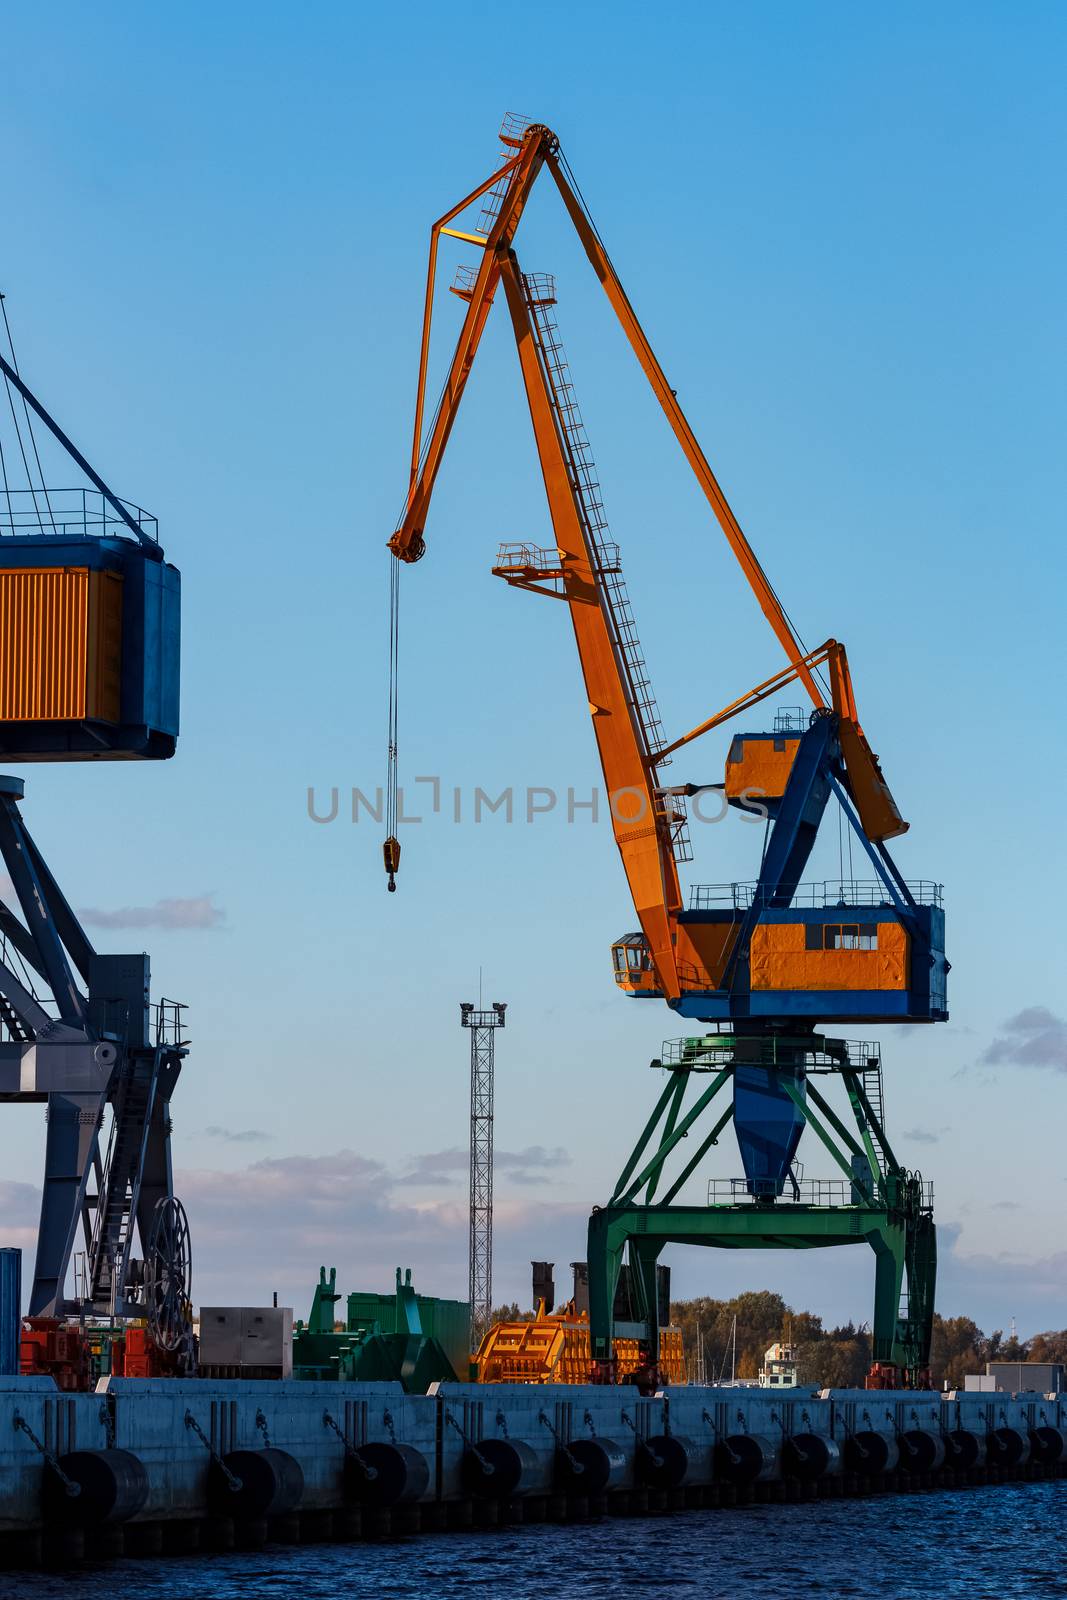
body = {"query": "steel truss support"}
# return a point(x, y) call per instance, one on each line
point(483, 1026)
point(883, 1206)
point(85, 1042)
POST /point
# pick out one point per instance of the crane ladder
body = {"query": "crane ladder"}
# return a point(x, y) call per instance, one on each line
point(539, 294)
point(120, 1189)
point(871, 1079)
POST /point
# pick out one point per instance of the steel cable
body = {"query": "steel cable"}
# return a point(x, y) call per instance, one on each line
point(394, 708)
point(29, 428)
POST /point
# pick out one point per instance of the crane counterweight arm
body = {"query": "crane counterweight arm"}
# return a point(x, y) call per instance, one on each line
point(761, 692)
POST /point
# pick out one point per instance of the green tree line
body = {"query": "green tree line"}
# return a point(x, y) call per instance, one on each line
point(836, 1357)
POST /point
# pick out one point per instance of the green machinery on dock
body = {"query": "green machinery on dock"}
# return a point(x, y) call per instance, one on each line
point(413, 1338)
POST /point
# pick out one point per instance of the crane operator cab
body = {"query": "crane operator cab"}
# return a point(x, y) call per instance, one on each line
point(633, 964)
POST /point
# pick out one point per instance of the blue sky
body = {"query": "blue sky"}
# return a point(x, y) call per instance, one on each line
point(844, 232)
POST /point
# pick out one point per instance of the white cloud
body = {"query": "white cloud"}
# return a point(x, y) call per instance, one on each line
point(237, 1135)
point(20, 1209)
point(1035, 1037)
point(273, 1223)
point(522, 1166)
point(199, 911)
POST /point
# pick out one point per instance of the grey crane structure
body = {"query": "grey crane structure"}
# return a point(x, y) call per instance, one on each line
point(94, 1042)
point(78, 1031)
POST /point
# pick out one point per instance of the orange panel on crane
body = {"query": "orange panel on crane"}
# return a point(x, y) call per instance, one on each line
point(759, 764)
point(707, 947)
point(855, 955)
point(60, 644)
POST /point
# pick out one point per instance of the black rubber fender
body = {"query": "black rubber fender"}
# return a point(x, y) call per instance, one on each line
point(398, 1474)
point(113, 1487)
point(921, 1450)
point(746, 1458)
point(666, 1460)
point(964, 1450)
point(1048, 1444)
point(271, 1482)
point(869, 1454)
point(810, 1456)
point(1007, 1447)
point(512, 1469)
point(591, 1466)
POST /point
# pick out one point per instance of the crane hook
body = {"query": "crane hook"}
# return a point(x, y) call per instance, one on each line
point(391, 853)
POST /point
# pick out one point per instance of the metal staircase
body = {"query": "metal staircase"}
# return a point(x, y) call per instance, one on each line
point(13, 1027)
point(120, 1183)
point(871, 1081)
point(539, 291)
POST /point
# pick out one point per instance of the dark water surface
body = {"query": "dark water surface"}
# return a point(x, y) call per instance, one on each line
point(983, 1544)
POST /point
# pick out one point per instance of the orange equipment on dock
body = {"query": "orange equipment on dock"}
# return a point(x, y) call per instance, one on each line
point(49, 1347)
point(555, 1349)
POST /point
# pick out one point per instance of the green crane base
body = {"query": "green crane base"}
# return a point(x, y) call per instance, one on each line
point(888, 1208)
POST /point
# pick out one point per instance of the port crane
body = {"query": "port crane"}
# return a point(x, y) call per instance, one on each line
point(89, 663)
point(764, 964)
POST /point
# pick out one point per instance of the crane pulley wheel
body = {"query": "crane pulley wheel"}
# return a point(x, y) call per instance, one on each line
point(168, 1276)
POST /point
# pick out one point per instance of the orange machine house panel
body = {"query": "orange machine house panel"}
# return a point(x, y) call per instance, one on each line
point(759, 763)
point(60, 644)
point(848, 955)
point(103, 685)
point(705, 948)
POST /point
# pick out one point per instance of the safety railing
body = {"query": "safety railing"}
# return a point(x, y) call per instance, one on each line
point(806, 1192)
point(540, 288)
point(513, 128)
point(716, 1050)
point(464, 281)
point(515, 556)
point(830, 894)
point(802, 1191)
point(67, 513)
point(168, 1021)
